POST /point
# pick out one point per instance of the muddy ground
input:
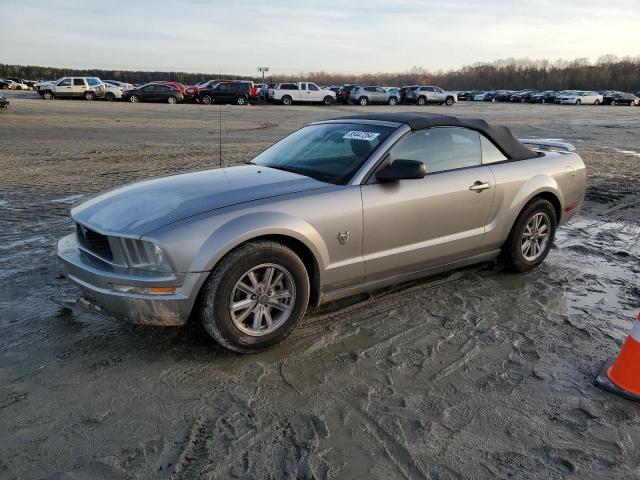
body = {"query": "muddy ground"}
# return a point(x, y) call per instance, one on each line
point(474, 374)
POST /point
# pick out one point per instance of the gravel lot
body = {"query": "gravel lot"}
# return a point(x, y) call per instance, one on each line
point(474, 374)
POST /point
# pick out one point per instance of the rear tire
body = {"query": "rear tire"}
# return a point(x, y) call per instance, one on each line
point(363, 101)
point(578, 102)
point(134, 98)
point(516, 255)
point(89, 96)
point(287, 100)
point(220, 292)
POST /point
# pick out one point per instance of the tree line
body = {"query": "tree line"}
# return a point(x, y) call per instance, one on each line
point(607, 72)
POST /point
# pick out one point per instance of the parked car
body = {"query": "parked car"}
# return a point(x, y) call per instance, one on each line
point(372, 94)
point(304, 92)
point(16, 83)
point(522, 96)
point(626, 99)
point(548, 96)
point(177, 85)
point(4, 85)
point(4, 103)
point(337, 208)
point(503, 95)
point(113, 92)
point(564, 93)
point(481, 96)
point(465, 96)
point(238, 92)
point(608, 96)
point(116, 83)
point(344, 92)
point(581, 98)
point(406, 89)
point(424, 95)
point(154, 92)
point(88, 88)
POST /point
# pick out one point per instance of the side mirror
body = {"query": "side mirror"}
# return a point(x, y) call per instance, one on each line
point(402, 170)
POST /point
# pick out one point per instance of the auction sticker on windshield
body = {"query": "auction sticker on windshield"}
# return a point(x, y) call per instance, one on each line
point(358, 135)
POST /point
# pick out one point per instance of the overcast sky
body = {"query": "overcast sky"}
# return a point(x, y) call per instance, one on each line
point(346, 36)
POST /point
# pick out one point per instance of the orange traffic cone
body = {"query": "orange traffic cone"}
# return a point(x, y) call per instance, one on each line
point(622, 376)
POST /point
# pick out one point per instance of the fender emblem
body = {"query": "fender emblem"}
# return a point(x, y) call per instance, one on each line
point(344, 237)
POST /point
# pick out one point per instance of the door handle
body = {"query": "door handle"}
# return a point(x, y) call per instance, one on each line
point(480, 186)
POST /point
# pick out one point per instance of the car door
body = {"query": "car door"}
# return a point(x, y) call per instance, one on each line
point(438, 94)
point(381, 95)
point(148, 93)
point(315, 94)
point(410, 225)
point(63, 88)
point(78, 87)
point(302, 92)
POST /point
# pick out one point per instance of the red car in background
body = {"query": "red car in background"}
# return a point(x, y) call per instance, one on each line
point(183, 89)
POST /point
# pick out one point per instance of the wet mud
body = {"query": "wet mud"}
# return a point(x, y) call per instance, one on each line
point(476, 373)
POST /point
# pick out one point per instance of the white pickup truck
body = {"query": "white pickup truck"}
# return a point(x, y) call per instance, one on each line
point(289, 93)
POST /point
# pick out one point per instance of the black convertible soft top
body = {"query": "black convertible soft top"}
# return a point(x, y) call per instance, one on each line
point(500, 135)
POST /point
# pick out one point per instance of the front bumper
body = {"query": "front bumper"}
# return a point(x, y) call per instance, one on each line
point(95, 279)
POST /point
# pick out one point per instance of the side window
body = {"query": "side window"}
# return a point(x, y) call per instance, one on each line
point(440, 149)
point(490, 153)
point(437, 89)
point(381, 90)
point(313, 87)
point(303, 86)
point(224, 87)
point(65, 82)
point(78, 82)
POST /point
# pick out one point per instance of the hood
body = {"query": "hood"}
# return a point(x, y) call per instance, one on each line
point(139, 208)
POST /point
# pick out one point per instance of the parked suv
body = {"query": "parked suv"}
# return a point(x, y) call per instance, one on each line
point(428, 94)
point(88, 88)
point(237, 92)
point(366, 95)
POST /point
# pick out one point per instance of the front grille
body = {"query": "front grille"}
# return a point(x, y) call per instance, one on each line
point(94, 242)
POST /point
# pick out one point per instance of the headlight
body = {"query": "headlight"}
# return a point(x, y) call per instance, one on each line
point(144, 255)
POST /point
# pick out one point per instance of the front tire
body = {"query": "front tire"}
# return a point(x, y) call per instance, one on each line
point(597, 102)
point(241, 100)
point(205, 100)
point(531, 236)
point(422, 101)
point(172, 100)
point(255, 296)
point(48, 95)
point(578, 102)
point(328, 100)
point(393, 101)
point(449, 101)
point(109, 97)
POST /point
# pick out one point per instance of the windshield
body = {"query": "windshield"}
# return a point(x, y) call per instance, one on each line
point(329, 152)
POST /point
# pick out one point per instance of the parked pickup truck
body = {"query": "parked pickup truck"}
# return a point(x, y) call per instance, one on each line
point(289, 93)
point(88, 88)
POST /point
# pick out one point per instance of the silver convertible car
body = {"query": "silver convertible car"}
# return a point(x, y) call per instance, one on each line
point(336, 208)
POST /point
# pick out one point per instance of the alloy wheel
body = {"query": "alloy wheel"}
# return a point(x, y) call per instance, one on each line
point(535, 236)
point(262, 300)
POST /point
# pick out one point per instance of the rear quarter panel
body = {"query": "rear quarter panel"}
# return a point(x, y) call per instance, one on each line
point(517, 182)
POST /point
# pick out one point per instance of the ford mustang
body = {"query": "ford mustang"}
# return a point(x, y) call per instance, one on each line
point(337, 208)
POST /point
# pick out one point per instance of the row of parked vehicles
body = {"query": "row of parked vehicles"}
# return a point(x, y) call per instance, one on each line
point(564, 97)
point(243, 92)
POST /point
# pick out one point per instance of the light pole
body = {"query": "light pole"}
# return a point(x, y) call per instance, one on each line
point(263, 70)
